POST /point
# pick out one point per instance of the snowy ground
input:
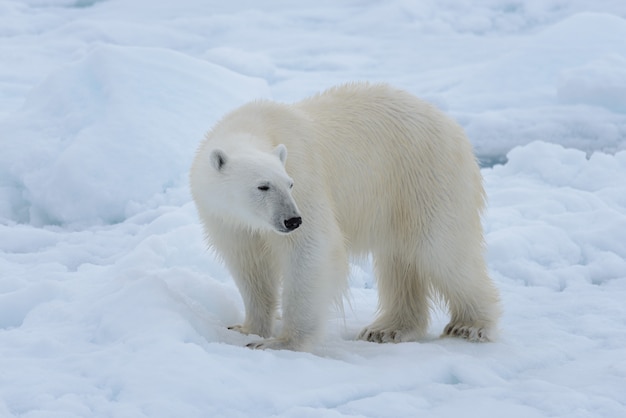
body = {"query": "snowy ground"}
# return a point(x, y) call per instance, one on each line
point(111, 307)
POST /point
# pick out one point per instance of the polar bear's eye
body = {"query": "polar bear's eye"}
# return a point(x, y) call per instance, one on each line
point(291, 185)
point(264, 187)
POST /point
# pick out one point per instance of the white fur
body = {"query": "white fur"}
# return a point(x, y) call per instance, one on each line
point(377, 171)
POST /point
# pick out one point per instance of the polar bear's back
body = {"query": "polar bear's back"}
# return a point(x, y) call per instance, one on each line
point(396, 158)
point(377, 116)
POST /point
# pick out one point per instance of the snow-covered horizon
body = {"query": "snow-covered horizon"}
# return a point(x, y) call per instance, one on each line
point(110, 304)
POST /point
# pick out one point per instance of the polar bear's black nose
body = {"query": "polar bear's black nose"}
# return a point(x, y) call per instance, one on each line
point(293, 223)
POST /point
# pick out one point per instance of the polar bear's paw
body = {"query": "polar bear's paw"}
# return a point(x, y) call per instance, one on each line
point(274, 344)
point(255, 330)
point(377, 334)
point(239, 328)
point(470, 332)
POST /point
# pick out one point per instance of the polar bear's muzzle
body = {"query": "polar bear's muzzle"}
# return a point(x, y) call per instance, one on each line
point(286, 217)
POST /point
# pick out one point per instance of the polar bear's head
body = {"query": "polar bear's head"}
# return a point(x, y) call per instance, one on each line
point(251, 188)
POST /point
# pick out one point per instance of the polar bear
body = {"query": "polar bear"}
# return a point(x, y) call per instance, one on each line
point(287, 192)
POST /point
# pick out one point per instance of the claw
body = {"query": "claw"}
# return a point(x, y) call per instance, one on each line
point(274, 344)
point(468, 332)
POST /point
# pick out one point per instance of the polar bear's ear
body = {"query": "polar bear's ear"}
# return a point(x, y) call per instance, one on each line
point(218, 159)
point(281, 152)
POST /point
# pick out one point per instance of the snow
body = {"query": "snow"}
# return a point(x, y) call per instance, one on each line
point(81, 113)
point(110, 304)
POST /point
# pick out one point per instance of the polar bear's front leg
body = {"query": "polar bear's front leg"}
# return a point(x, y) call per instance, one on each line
point(258, 286)
point(255, 272)
point(312, 277)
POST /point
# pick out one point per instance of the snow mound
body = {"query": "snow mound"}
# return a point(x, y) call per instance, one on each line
point(600, 82)
point(528, 75)
point(557, 222)
point(579, 60)
point(110, 131)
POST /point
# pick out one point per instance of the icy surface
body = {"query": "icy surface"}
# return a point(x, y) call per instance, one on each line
point(111, 306)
